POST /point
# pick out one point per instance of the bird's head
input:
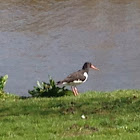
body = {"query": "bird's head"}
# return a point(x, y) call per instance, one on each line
point(88, 65)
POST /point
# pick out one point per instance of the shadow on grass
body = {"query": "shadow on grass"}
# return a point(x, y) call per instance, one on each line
point(123, 104)
point(99, 106)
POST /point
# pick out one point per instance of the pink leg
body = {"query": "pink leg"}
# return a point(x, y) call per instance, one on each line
point(73, 90)
point(76, 91)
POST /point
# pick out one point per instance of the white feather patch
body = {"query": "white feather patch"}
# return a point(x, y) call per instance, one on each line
point(77, 81)
point(65, 83)
point(86, 75)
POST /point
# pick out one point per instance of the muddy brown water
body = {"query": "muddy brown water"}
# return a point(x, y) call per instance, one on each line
point(55, 37)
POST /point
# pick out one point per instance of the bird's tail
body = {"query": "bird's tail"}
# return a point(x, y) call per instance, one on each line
point(59, 82)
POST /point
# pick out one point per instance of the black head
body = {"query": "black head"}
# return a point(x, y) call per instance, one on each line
point(88, 65)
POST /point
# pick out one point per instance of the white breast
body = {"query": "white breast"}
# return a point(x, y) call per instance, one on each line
point(86, 75)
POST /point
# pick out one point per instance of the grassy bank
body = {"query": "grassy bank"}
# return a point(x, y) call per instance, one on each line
point(93, 115)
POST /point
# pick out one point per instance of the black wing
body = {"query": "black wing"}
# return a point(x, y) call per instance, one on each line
point(79, 75)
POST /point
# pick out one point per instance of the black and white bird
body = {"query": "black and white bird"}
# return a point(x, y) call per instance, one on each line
point(77, 78)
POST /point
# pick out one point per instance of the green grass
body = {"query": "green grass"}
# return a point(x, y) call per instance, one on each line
point(108, 116)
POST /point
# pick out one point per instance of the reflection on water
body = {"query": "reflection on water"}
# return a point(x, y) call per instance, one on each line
point(55, 37)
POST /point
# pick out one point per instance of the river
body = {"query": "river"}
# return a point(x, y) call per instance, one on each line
point(55, 37)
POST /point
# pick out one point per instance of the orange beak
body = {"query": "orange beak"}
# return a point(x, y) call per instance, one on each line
point(93, 67)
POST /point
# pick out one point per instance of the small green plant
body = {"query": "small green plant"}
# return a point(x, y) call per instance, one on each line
point(48, 89)
point(3, 81)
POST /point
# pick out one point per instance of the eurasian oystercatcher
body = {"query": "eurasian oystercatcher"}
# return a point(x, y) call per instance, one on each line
point(78, 77)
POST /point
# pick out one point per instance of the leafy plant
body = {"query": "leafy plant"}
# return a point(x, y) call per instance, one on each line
point(48, 89)
point(3, 81)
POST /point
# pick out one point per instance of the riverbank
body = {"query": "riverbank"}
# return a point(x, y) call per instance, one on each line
point(93, 115)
